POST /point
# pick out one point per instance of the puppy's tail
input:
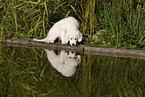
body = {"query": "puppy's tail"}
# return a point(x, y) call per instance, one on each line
point(40, 40)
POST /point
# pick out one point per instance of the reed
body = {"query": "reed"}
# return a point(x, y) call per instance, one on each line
point(122, 20)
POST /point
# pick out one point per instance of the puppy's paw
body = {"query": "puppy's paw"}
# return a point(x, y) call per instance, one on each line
point(64, 42)
point(51, 41)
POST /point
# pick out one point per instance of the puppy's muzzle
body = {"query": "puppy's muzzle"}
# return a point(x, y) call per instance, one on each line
point(73, 44)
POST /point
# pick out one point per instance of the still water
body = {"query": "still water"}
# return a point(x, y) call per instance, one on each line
point(28, 72)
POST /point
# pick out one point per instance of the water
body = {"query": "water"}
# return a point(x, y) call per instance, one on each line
point(37, 72)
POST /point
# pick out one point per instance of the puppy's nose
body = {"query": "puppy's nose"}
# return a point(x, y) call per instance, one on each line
point(73, 44)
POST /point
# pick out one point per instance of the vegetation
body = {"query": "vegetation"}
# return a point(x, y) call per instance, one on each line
point(123, 20)
point(27, 72)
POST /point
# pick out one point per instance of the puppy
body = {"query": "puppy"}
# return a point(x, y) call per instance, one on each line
point(66, 30)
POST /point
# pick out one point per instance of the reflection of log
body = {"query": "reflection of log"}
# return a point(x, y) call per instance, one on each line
point(78, 48)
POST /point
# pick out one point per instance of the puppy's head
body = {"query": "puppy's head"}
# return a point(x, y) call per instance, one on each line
point(75, 36)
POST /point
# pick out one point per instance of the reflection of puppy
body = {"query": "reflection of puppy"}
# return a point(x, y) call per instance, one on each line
point(66, 30)
point(64, 63)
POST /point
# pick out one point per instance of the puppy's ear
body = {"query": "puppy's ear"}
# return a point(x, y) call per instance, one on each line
point(80, 37)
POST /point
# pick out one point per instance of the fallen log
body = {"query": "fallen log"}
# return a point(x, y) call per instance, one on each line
point(79, 48)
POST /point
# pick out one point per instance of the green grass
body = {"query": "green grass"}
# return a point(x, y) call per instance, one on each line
point(123, 20)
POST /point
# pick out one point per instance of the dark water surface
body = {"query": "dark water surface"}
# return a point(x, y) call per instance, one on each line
point(36, 72)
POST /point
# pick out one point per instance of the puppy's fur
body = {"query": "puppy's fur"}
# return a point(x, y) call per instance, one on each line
point(65, 63)
point(66, 30)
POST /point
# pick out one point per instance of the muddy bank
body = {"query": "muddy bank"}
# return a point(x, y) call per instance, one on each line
point(79, 48)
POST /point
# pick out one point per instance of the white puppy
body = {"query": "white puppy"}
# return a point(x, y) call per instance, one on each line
point(66, 30)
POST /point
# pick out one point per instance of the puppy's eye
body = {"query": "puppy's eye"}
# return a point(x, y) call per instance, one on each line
point(70, 38)
point(75, 38)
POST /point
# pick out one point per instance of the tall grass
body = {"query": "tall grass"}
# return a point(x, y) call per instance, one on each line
point(122, 20)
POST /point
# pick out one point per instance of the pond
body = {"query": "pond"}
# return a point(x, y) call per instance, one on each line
point(52, 73)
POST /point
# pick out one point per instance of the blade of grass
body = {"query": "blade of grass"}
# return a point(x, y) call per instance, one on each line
point(37, 24)
point(18, 5)
point(44, 26)
point(58, 7)
point(33, 2)
point(67, 13)
point(27, 87)
point(15, 18)
point(41, 75)
point(46, 8)
point(2, 32)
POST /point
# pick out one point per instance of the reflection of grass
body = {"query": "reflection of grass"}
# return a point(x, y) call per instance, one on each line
point(118, 77)
point(122, 20)
point(28, 72)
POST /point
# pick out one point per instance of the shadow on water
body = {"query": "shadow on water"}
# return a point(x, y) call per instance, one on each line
point(37, 72)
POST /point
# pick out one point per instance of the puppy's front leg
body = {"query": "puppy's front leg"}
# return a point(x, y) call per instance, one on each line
point(64, 41)
point(64, 37)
